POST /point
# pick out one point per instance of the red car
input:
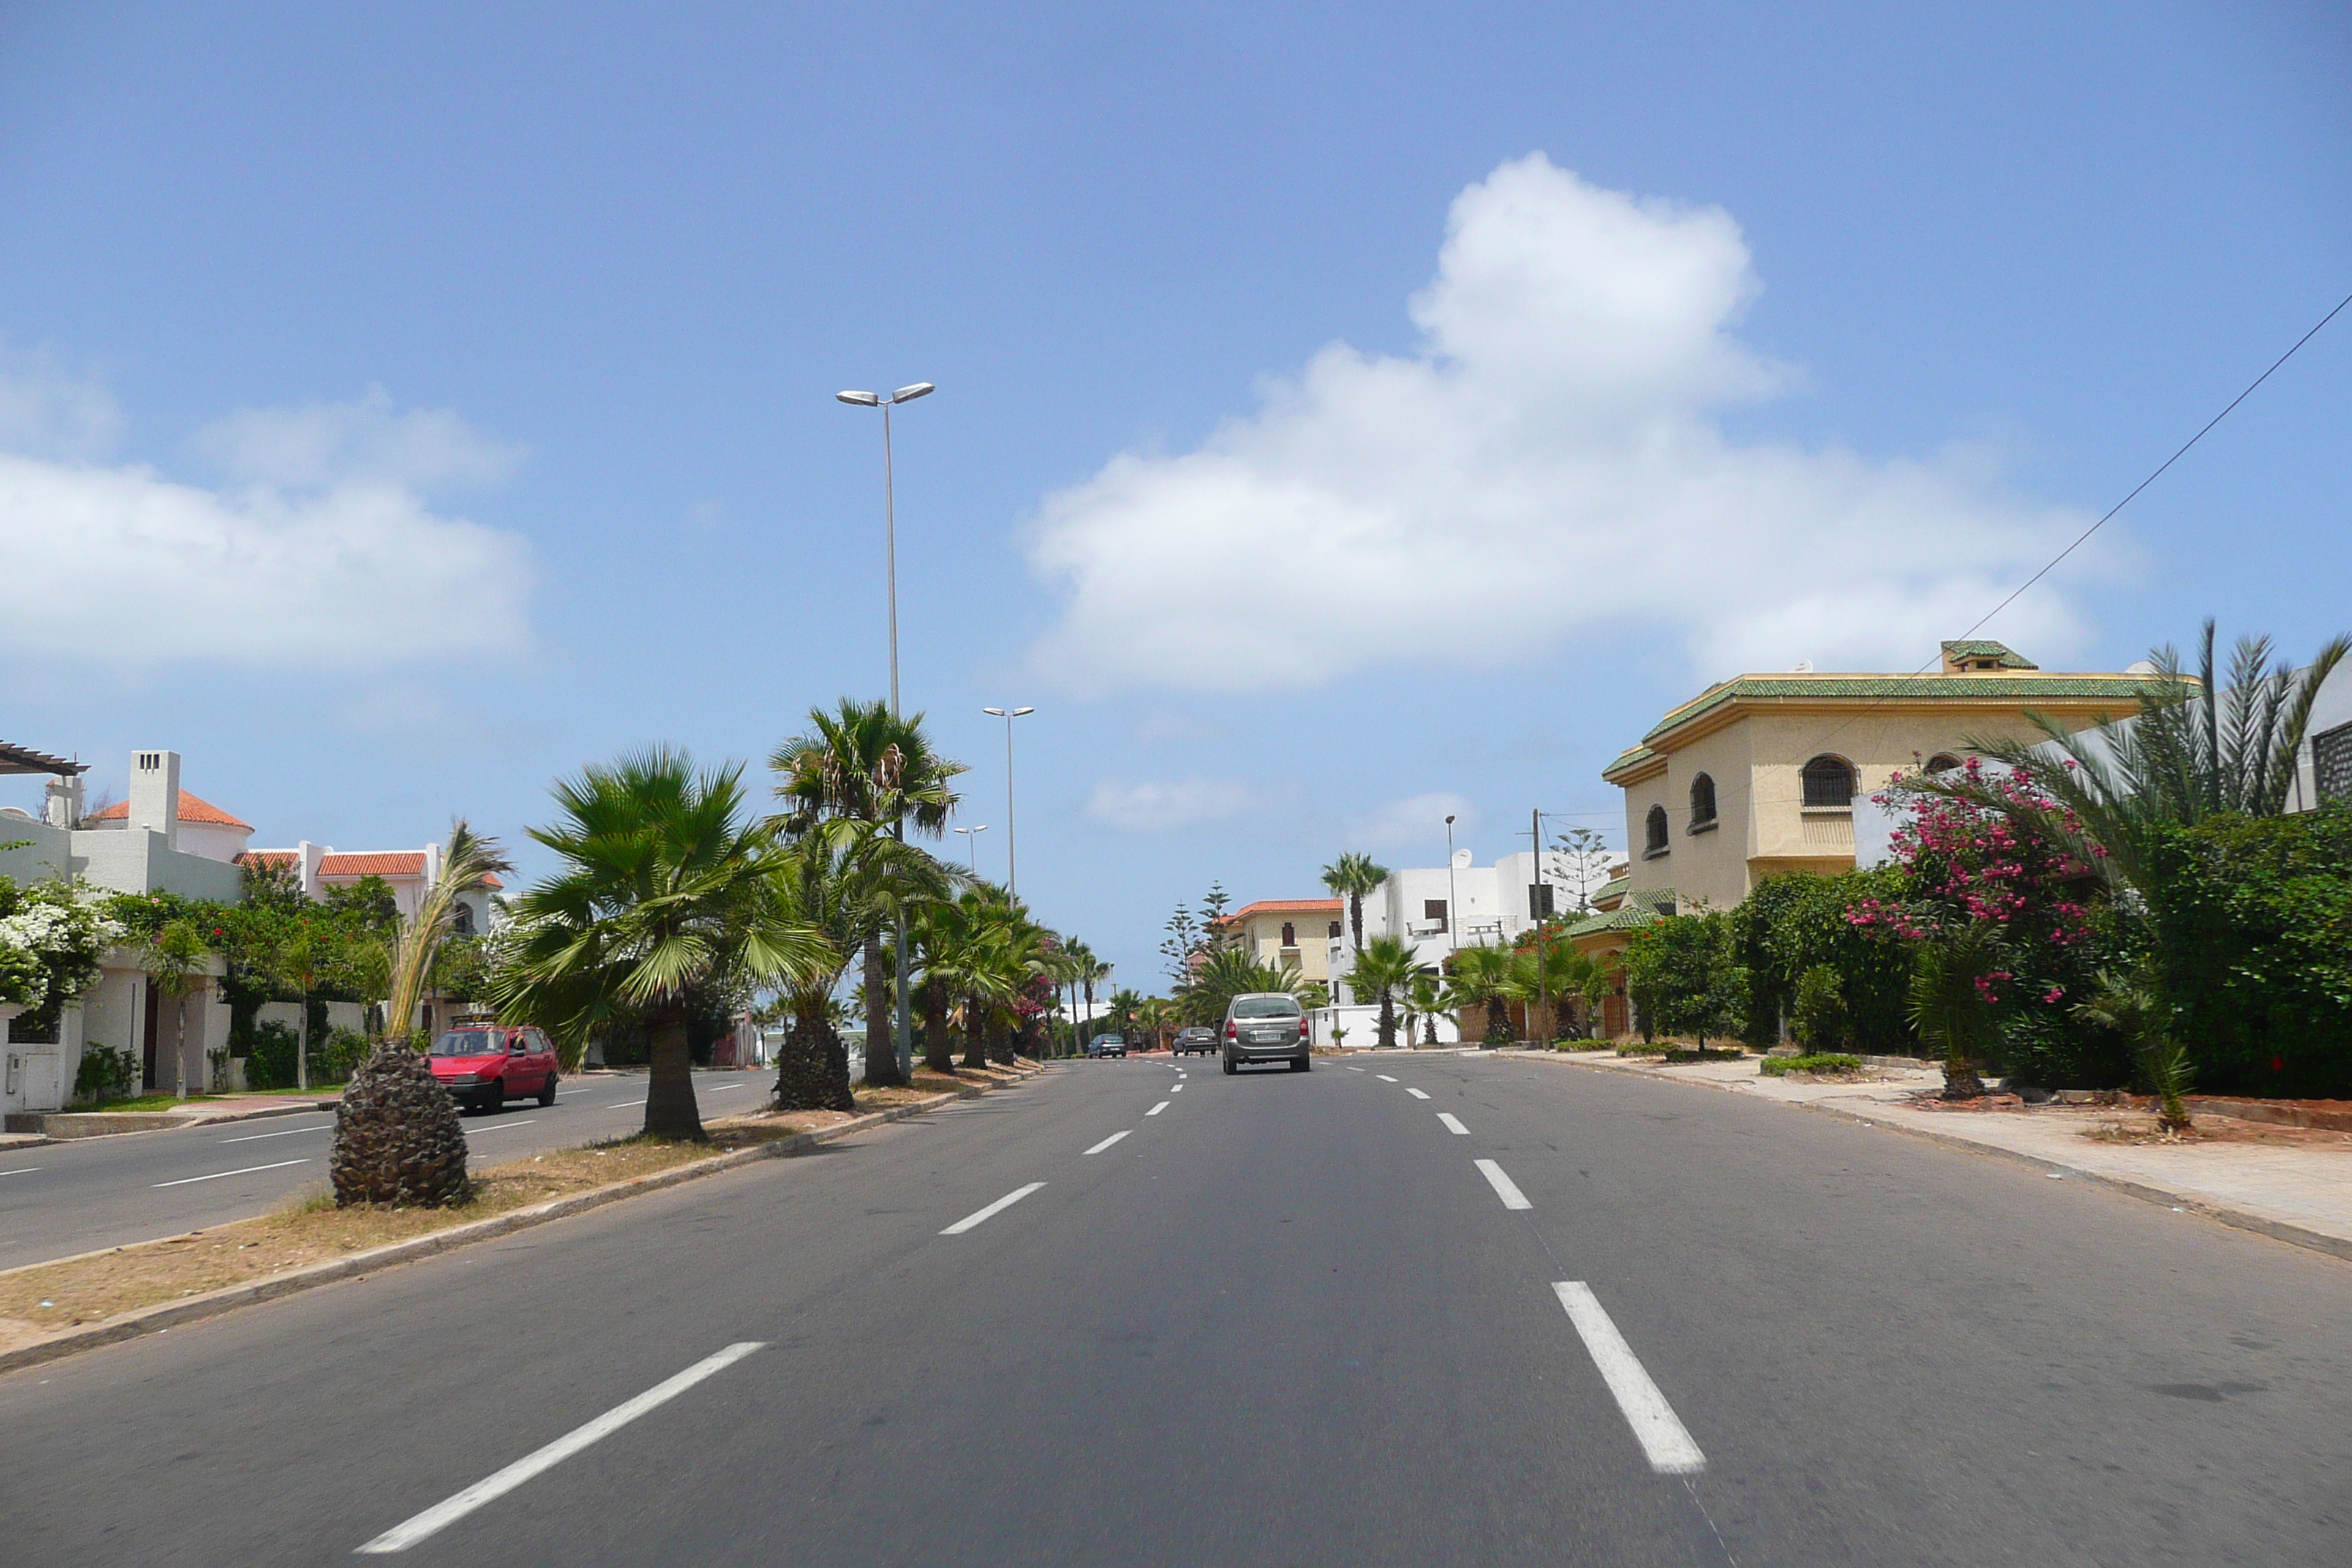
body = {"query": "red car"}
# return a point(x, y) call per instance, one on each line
point(484, 1067)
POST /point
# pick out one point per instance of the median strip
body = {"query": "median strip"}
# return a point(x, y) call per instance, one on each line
point(1664, 1438)
point(402, 1536)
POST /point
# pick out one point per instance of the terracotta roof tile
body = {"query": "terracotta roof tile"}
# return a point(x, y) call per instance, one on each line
point(392, 863)
point(1288, 907)
point(203, 812)
point(264, 857)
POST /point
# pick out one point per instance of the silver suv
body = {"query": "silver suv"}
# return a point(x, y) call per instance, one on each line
point(1266, 1026)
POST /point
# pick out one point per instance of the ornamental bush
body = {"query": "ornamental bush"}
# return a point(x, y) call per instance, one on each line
point(1793, 924)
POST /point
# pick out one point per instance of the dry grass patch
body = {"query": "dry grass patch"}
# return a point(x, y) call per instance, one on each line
point(51, 1296)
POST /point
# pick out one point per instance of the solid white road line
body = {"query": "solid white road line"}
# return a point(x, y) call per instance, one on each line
point(1415, 1093)
point(1505, 1188)
point(992, 1210)
point(256, 1137)
point(1110, 1140)
point(1453, 1123)
point(1661, 1433)
point(216, 1175)
point(501, 1126)
point(1153, 1111)
point(20, 1171)
point(1384, 1077)
point(402, 1536)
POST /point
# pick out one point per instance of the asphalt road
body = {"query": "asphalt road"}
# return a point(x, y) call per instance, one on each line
point(1288, 1318)
point(58, 1199)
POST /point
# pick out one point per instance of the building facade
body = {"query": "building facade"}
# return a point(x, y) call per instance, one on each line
point(1297, 931)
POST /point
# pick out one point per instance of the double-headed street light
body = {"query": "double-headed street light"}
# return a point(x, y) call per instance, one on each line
point(1012, 868)
point(971, 838)
point(902, 1034)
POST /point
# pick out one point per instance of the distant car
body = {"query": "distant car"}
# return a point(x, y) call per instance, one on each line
point(1267, 1027)
point(1194, 1038)
point(483, 1068)
point(1107, 1045)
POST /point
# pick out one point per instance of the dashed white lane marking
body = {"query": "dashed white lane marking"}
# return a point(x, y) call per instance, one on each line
point(402, 1536)
point(1176, 1089)
point(1453, 1123)
point(1352, 1069)
point(1415, 1093)
point(1384, 1077)
point(20, 1171)
point(992, 1210)
point(627, 1104)
point(216, 1175)
point(1111, 1140)
point(1157, 1109)
point(501, 1126)
point(1505, 1188)
point(725, 1088)
point(1660, 1432)
point(256, 1137)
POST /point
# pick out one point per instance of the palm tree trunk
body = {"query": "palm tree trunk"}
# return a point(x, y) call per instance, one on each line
point(1960, 1079)
point(1000, 1040)
point(881, 1065)
point(975, 1040)
point(1388, 1020)
point(670, 1110)
point(939, 1050)
point(813, 1072)
point(1356, 919)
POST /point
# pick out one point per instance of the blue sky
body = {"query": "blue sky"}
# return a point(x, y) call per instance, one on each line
point(1342, 410)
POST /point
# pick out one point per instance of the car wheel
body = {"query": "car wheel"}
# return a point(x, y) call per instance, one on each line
point(1232, 1067)
point(546, 1094)
point(494, 1098)
point(1301, 1064)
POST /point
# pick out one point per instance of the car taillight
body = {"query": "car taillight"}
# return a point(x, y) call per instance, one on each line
point(1304, 1035)
point(1233, 1030)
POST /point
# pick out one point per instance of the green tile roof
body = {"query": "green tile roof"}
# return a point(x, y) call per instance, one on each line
point(1642, 905)
point(1984, 649)
point(2014, 688)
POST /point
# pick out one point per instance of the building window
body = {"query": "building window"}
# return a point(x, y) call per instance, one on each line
point(1434, 909)
point(462, 924)
point(2331, 763)
point(1702, 816)
point(1829, 781)
point(1942, 763)
point(1289, 935)
point(1539, 904)
point(1654, 834)
point(1334, 932)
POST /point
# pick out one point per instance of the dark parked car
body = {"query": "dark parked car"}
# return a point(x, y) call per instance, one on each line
point(1107, 1045)
point(1195, 1038)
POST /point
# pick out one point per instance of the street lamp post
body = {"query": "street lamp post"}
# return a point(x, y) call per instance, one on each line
point(1012, 868)
point(971, 838)
point(902, 1033)
point(1453, 896)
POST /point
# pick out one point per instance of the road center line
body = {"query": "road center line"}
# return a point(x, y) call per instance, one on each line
point(216, 1175)
point(1176, 1089)
point(1415, 1093)
point(723, 1089)
point(502, 1126)
point(1153, 1111)
point(1352, 1069)
point(1660, 1432)
point(992, 1210)
point(1384, 1077)
point(627, 1104)
point(402, 1536)
point(1505, 1188)
point(1113, 1137)
point(256, 1137)
point(20, 1171)
point(1453, 1123)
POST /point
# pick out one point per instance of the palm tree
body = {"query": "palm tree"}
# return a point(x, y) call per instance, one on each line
point(1350, 877)
point(861, 762)
point(1560, 972)
point(1423, 998)
point(1227, 973)
point(2133, 1006)
point(2193, 752)
point(297, 962)
point(1484, 977)
point(1384, 969)
point(666, 891)
point(467, 864)
point(1952, 1000)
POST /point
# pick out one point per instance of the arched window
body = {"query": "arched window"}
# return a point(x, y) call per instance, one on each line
point(1942, 763)
point(462, 922)
point(1657, 830)
point(1289, 935)
point(1702, 802)
point(1829, 781)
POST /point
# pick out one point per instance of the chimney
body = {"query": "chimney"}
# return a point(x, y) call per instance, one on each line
point(155, 794)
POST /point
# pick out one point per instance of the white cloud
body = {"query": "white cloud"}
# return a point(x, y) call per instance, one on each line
point(359, 441)
point(1162, 806)
point(352, 570)
point(46, 411)
point(1549, 460)
point(1416, 822)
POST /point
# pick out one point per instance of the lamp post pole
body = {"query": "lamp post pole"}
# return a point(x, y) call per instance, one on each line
point(1453, 896)
point(902, 1032)
point(1012, 867)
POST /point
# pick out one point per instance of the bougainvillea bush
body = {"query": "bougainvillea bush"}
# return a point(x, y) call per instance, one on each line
point(1963, 863)
point(52, 935)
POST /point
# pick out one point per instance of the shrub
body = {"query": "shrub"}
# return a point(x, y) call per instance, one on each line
point(1793, 924)
point(1684, 975)
point(1818, 1061)
point(338, 1055)
point(105, 1073)
point(1819, 1017)
point(269, 1057)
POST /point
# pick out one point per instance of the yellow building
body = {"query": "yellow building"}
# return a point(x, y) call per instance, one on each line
point(1297, 931)
point(1758, 775)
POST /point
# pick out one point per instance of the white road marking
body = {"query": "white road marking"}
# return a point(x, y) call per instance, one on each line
point(1352, 1069)
point(1153, 1111)
point(1453, 1123)
point(1176, 1089)
point(723, 1088)
point(1384, 1077)
point(1661, 1433)
point(256, 1137)
point(627, 1104)
point(1415, 1093)
point(1110, 1140)
point(501, 1126)
point(992, 1210)
point(1505, 1188)
point(402, 1536)
point(216, 1175)
point(20, 1171)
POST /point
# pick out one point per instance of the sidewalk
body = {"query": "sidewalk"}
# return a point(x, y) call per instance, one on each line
point(30, 1129)
point(2297, 1190)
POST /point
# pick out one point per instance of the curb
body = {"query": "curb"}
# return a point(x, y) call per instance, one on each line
point(2237, 1219)
point(172, 1314)
point(168, 1121)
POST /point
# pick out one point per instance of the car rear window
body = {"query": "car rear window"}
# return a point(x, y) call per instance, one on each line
point(1264, 1008)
